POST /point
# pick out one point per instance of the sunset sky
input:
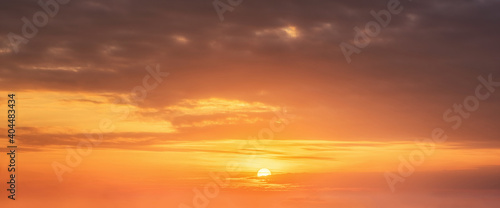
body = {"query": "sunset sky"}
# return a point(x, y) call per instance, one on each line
point(266, 87)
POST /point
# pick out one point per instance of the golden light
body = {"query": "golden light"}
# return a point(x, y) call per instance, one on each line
point(264, 172)
point(291, 31)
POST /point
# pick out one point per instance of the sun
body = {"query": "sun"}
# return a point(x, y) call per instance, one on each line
point(264, 172)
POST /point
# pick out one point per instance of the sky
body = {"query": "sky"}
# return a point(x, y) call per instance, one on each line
point(123, 103)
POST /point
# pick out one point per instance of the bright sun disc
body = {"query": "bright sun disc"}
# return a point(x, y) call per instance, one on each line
point(263, 172)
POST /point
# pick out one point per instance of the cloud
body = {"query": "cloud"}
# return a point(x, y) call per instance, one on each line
point(267, 54)
point(483, 178)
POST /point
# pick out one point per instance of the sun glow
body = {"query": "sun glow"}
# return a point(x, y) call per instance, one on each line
point(264, 172)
